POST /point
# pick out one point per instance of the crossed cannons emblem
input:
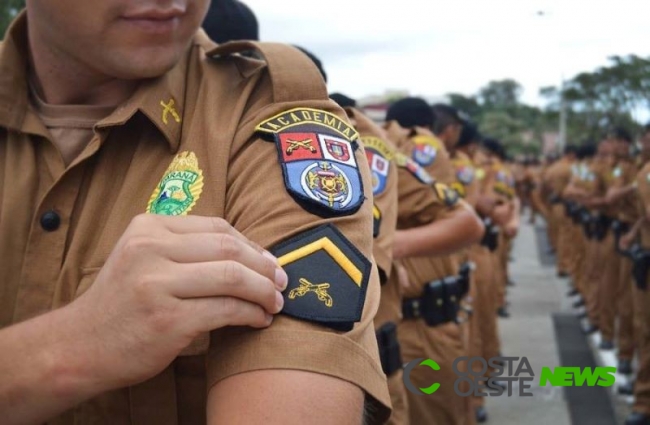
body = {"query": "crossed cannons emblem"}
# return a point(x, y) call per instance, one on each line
point(320, 290)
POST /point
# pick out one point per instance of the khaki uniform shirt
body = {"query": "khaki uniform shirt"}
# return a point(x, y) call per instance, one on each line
point(643, 191)
point(195, 125)
point(623, 175)
point(381, 158)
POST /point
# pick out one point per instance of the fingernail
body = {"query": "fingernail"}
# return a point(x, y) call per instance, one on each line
point(269, 318)
point(281, 279)
point(270, 256)
point(279, 301)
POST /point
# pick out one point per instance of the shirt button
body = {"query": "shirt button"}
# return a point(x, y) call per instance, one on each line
point(50, 221)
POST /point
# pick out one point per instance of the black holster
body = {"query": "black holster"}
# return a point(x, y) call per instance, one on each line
point(439, 304)
point(389, 351)
point(491, 236)
point(619, 228)
point(641, 259)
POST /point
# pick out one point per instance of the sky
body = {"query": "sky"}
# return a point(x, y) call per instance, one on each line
point(431, 47)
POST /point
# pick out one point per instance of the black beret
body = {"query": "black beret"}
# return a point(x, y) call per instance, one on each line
point(229, 20)
point(314, 59)
point(494, 147)
point(447, 110)
point(343, 100)
point(411, 112)
point(468, 135)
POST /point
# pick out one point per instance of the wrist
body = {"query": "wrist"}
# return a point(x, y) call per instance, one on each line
point(72, 364)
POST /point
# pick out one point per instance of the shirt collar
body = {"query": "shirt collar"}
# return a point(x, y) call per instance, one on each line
point(161, 100)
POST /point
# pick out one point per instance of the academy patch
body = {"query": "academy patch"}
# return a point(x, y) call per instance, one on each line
point(180, 187)
point(411, 166)
point(425, 150)
point(328, 277)
point(379, 156)
point(465, 174)
point(317, 152)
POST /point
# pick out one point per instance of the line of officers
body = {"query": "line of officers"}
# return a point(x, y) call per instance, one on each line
point(445, 204)
point(596, 200)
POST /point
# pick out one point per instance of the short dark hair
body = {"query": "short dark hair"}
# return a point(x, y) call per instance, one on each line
point(570, 149)
point(620, 133)
point(229, 20)
point(411, 112)
point(587, 150)
point(343, 100)
point(444, 115)
point(646, 129)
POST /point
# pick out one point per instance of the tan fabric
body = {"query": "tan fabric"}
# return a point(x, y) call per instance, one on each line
point(70, 126)
point(642, 302)
point(217, 103)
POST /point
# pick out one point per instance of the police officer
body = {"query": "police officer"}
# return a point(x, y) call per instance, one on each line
point(639, 235)
point(410, 121)
point(109, 110)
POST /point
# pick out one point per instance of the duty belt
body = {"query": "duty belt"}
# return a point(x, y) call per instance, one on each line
point(389, 351)
point(440, 302)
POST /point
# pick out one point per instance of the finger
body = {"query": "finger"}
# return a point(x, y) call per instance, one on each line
point(207, 314)
point(209, 247)
point(197, 224)
point(224, 279)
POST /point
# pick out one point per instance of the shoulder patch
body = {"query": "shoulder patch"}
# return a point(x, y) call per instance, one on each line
point(446, 194)
point(425, 150)
point(376, 221)
point(618, 172)
point(316, 150)
point(379, 156)
point(418, 172)
point(465, 174)
point(328, 277)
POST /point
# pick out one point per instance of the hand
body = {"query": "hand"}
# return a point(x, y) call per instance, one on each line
point(167, 280)
point(404, 281)
point(511, 230)
point(625, 242)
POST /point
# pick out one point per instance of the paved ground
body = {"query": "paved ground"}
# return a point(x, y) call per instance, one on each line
point(540, 310)
point(530, 332)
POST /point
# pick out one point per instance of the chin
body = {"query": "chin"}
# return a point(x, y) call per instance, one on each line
point(145, 65)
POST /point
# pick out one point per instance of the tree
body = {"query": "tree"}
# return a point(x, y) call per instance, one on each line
point(503, 94)
point(8, 10)
point(468, 105)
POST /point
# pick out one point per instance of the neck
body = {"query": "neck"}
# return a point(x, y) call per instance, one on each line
point(62, 80)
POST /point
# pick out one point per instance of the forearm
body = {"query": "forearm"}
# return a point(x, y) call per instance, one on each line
point(44, 369)
point(441, 237)
point(615, 194)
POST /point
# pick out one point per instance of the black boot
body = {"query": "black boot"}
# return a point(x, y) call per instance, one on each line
point(591, 329)
point(606, 345)
point(624, 366)
point(636, 418)
point(579, 303)
point(481, 414)
point(503, 313)
point(627, 388)
point(572, 292)
point(562, 274)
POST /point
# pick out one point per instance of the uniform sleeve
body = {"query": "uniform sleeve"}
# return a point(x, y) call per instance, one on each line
point(385, 211)
point(259, 206)
point(418, 203)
